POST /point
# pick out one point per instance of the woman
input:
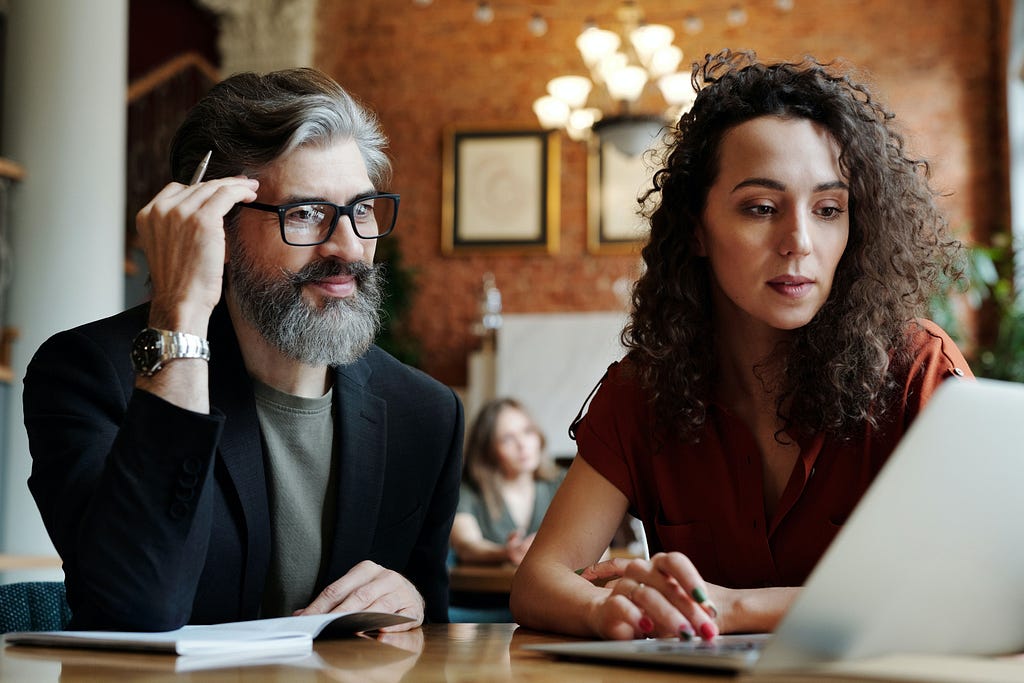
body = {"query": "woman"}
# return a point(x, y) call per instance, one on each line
point(508, 483)
point(775, 355)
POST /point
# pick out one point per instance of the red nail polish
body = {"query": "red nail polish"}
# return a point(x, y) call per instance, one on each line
point(646, 625)
point(708, 630)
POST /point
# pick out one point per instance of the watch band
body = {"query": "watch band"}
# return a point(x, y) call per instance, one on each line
point(153, 348)
point(184, 345)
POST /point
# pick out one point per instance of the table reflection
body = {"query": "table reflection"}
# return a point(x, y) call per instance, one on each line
point(472, 648)
point(388, 660)
point(384, 658)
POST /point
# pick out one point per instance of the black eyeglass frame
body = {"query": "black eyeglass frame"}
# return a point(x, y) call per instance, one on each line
point(339, 211)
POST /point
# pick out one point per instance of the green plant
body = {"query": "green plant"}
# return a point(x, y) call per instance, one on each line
point(988, 290)
point(399, 292)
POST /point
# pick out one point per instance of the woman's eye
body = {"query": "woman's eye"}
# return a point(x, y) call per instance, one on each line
point(761, 210)
point(830, 211)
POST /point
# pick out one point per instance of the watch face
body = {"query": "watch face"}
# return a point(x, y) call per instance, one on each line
point(147, 349)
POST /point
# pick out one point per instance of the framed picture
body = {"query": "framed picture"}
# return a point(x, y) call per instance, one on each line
point(501, 191)
point(615, 182)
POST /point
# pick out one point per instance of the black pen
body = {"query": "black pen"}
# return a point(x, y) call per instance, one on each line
point(201, 168)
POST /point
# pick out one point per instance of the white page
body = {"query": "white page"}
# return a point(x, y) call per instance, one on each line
point(283, 635)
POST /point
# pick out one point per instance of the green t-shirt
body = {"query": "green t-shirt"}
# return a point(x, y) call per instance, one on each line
point(299, 435)
point(498, 530)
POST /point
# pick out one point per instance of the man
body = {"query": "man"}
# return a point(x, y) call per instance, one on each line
point(250, 453)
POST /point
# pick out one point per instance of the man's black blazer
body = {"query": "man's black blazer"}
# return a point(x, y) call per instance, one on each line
point(161, 515)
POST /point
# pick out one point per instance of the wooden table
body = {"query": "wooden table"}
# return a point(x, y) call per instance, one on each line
point(481, 578)
point(457, 653)
point(12, 562)
point(489, 578)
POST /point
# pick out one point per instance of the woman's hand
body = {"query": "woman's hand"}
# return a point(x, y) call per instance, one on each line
point(516, 546)
point(661, 597)
point(606, 572)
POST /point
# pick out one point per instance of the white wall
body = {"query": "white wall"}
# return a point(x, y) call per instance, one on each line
point(64, 121)
point(551, 361)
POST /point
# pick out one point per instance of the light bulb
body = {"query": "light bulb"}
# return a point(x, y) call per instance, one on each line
point(573, 90)
point(693, 24)
point(595, 44)
point(665, 60)
point(484, 13)
point(627, 83)
point(537, 25)
point(647, 39)
point(610, 64)
point(551, 111)
point(677, 88)
point(583, 119)
point(736, 16)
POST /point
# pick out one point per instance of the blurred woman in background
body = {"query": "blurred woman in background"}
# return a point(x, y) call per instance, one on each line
point(508, 482)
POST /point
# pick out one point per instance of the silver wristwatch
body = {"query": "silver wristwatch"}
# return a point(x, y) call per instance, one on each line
point(153, 348)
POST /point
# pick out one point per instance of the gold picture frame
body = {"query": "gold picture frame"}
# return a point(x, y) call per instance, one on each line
point(615, 182)
point(500, 191)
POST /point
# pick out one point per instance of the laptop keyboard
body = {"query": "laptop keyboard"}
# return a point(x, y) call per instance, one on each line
point(718, 646)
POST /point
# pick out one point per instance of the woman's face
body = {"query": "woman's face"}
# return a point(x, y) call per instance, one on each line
point(516, 443)
point(775, 224)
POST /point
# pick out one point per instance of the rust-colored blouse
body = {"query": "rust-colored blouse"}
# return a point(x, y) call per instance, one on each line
point(706, 499)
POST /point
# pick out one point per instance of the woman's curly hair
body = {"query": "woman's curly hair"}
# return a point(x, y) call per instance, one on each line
point(837, 373)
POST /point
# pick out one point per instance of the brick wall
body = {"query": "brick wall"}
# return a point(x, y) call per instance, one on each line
point(939, 64)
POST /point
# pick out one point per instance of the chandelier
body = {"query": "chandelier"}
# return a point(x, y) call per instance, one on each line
point(621, 66)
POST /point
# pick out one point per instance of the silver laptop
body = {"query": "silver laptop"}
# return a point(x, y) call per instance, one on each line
point(930, 561)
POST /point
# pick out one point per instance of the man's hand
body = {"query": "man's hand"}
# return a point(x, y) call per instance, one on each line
point(181, 230)
point(370, 587)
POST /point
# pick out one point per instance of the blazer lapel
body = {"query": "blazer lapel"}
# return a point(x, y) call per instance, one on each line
point(241, 452)
point(361, 437)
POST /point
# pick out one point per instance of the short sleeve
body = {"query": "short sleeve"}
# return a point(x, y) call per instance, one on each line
point(470, 502)
point(936, 358)
point(613, 429)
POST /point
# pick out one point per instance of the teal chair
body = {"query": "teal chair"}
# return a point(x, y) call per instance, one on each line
point(477, 609)
point(33, 606)
point(479, 615)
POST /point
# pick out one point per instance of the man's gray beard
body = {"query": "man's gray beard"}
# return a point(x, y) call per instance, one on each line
point(337, 333)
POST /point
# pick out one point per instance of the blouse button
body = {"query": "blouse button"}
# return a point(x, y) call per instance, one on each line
point(958, 372)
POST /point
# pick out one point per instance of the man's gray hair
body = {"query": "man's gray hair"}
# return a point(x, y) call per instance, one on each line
point(249, 120)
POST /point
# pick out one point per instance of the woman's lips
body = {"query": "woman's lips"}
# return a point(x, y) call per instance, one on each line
point(793, 286)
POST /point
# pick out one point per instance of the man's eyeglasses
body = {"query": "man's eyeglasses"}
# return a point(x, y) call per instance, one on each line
point(306, 224)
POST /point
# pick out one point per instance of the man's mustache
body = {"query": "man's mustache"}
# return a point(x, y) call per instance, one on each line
point(325, 268)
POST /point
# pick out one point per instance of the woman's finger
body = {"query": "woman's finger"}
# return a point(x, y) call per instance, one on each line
point(669, 598)
point(603, 571)
point(621, 619)
point(679, 567)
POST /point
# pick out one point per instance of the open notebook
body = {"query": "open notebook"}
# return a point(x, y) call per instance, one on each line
point(259, 638)
point(930, 561)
